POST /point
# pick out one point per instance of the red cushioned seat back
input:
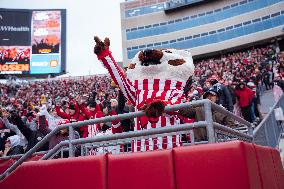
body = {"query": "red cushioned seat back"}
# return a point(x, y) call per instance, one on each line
point(278, 167)
point(266, 167)
point(147, 170)
point(5, 164)
point(84, 172)
point(222, 165)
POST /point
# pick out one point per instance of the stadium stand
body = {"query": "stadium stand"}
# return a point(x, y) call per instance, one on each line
point(47, 126)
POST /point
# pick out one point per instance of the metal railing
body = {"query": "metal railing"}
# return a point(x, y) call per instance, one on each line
point(20, 155)
point(215, 133)
point(269, 131)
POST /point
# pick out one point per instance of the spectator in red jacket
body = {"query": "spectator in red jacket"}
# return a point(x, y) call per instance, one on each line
point(92, 112)
point(245, 96)
point(116, 124)
point(73, 115)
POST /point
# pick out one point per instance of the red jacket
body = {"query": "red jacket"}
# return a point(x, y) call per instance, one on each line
point(245, 96)
point(92, 115)
point(97, 113)
point(74, 118)
point(116, 125)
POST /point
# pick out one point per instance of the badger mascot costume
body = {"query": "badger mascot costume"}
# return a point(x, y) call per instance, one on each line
point(154, 79)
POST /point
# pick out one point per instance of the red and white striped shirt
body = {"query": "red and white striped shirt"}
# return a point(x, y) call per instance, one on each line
point(137, 92)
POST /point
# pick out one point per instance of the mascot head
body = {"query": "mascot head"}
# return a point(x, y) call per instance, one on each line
point(162, 64)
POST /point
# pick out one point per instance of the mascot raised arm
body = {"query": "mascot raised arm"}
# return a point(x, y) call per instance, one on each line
point(154, 79)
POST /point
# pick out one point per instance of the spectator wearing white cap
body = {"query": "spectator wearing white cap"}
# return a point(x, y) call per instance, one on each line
point(13, 146)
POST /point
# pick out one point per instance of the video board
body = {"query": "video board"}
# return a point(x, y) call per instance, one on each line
point(32, 41)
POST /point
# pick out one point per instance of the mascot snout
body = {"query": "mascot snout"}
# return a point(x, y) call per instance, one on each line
point(150, 57)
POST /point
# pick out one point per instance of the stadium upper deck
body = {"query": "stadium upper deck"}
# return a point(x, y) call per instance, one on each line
point(203, 28)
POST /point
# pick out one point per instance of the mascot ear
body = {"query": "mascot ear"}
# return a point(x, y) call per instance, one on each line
point(176, 62)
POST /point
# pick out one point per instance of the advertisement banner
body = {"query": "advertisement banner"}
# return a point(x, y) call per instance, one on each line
point(45, 64)
point(15, 28)
point(46, 32)
point(14, 59)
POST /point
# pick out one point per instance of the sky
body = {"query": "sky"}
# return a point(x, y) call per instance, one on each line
point(85, 18)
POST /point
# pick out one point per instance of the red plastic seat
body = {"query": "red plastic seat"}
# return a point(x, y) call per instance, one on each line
point(278, 167)
point(234, 165)
point(84, 172)
point(5, 164)
point(222, 165)
point(266, 167)
point(144, 170)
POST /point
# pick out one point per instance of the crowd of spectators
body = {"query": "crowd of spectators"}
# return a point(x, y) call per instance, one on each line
point(31, 110)
point(240, 78)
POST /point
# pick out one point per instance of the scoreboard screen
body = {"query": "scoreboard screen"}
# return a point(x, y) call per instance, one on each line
point(32, 41)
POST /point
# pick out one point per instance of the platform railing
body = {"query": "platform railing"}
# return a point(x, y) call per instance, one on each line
point(20, 155)
point(268, 132)
point(215, 132)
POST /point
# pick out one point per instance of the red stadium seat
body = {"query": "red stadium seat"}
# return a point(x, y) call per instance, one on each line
point(84, 172)
point(278, 167)
point(266, 167)
point(222, 165)
point(145, 170)
point(234, 165)
point(36, 157)
point(5, 164)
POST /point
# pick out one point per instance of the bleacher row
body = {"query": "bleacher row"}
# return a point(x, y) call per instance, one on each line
point(234, 165)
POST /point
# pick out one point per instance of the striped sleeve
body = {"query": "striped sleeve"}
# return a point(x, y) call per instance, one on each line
point(117, 75)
